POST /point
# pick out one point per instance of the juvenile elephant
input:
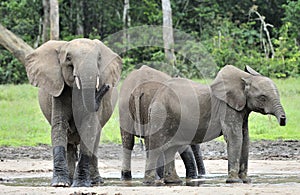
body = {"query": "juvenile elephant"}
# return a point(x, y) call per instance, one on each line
point(136, 95)
point(77, 95)
point(184, 112)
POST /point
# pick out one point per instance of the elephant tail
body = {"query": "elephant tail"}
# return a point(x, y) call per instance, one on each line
point(139, 127)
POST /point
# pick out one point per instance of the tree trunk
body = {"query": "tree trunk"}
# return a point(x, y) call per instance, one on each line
point(14, 44)
point(54, 20)
point(126, 22)
point(168, 32)
point(46, 21)
point(79, 14)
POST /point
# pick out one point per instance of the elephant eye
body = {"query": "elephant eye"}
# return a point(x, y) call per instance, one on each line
point(262, 98)
point(68, 58)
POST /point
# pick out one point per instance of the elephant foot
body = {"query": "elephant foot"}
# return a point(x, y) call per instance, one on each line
point(149, 182)
point(149, 178)
point(126, 175)
point(96, 181)
point(82, 173)
point(201, 172)
point(233, 180)
point(82, 183)
point(191, 175)
point(60, 182)
point(171, 177)
point(168, 180)
point(60, 170)
point(245, 178)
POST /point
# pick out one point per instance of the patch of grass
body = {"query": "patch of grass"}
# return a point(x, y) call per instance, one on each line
point(111, 131)
point(22, 123)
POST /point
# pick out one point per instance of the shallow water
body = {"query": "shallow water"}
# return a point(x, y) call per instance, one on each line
point(210, 180)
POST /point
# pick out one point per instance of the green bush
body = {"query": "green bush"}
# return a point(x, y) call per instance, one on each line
point(11, 70)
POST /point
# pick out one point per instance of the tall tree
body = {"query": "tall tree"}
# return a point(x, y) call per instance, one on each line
point(54, 20)
point(168, 32)
point(46, 21)
point(126, 21)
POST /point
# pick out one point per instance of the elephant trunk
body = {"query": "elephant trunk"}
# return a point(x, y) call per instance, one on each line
point(280, 115)
point(89, 85)
point(89, 100)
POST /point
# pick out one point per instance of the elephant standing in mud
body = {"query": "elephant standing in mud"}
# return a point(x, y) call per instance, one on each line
point(77, 95)
point(136, 95)
point(185, 112)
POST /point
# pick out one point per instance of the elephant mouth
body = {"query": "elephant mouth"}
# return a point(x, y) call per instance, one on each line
point(78, 83)
point(99, 95)
point(282, 120)
point(92, 96)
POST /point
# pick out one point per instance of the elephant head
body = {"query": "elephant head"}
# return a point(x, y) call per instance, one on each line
point(87, 64)
point(248, 90)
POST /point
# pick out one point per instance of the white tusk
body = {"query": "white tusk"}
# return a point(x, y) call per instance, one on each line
point(98, 83)
point(77, 82)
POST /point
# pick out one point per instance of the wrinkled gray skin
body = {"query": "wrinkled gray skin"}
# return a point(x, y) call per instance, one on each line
point(71, 77)
point(136, 94)
point(184, 112)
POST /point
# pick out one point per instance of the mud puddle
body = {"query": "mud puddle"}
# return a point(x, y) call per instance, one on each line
point(210, 180)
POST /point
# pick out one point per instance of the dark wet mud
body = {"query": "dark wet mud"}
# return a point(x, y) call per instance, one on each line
point(213, 150)
point(211, 180)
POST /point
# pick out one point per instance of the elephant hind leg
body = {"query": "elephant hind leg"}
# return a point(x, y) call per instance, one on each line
point(160, 167)
point(151, 165)
point(127, 143)
point(188, 158)
point(199, 159)
point(171, 175)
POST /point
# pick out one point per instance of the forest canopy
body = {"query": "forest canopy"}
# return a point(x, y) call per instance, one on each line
point(263, 34)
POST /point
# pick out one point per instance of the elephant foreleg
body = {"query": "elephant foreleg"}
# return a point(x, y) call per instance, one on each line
point(232, 131)
point(60, 170)
point(82, 171)
point(59, 128)
point(244, 155)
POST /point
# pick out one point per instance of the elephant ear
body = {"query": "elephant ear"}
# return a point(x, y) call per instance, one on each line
point(111, 65)
point(229, 86)
point(43, 68)
point(251, 71)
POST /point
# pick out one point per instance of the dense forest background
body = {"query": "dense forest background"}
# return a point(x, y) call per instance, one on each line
point(264, 34)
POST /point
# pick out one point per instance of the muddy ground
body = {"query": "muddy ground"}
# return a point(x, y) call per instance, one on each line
point(274, 167)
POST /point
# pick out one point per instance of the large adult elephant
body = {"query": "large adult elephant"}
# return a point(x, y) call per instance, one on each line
point(77, 95)
point(136, 94)
point(204, 112)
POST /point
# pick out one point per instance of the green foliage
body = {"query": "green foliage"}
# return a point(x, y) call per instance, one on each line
point(11, 70)
point(292, 17)
point(224, 28)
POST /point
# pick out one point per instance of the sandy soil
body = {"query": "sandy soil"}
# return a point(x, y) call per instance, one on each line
point(278, 176)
